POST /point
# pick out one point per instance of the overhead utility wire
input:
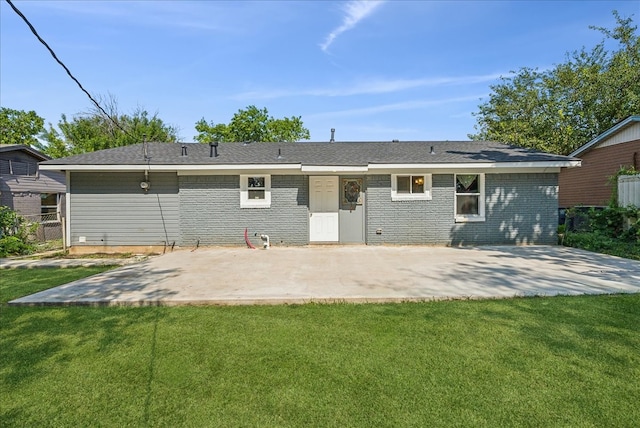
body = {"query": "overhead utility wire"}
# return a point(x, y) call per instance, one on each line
point(53, 54)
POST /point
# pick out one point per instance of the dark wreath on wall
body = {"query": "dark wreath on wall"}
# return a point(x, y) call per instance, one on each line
point(352, 191)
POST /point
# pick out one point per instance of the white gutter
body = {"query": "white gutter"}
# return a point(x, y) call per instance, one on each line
point(316, 168)
point(335, 168)
point(167, 168)
point(479, 165)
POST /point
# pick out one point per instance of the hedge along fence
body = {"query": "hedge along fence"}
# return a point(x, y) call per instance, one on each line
point(629, 190)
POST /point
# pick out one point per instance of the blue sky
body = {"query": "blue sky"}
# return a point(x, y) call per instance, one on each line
point(374, 71)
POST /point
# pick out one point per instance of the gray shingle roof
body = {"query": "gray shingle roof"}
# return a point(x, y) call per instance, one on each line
point(7, 148)
point(316, 154)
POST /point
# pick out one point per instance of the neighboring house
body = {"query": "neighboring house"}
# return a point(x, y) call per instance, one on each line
point(24, 188)
point(601, 158)
point(148, 196)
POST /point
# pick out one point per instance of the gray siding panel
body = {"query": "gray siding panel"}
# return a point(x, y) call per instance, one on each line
point(520, 209)
point(112, 209)
point(17, 162)
point(21, 184)
point(44, 182)
point(211, 212)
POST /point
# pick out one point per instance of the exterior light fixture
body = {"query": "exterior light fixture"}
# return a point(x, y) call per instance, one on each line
point(145, 184)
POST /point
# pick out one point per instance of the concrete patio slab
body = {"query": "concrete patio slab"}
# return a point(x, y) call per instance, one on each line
point(231, 276)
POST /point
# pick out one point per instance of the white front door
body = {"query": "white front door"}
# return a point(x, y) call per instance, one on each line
point(323, 209)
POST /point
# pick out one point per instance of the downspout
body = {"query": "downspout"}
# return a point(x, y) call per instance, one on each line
point(67, 209)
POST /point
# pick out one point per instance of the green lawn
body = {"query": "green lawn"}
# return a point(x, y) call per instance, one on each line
point(562, 361)
point(16, 283)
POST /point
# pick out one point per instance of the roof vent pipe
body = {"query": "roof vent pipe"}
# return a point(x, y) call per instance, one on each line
point(184, 150)
point(145, 149)
point(333, 134)
point(433, 152)
point(213, 149)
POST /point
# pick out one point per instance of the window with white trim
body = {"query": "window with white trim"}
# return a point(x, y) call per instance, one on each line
point(255, 191)
point(49, 203)
point(469, 201)
point(410, 187)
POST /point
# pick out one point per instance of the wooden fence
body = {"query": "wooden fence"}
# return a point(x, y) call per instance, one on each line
point(629, 190)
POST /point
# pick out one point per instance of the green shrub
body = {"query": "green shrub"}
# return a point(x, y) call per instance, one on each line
point(12, 245)
point(599, 243)
point(577, 219)
point(613, 230)
point(621, 223)
point(14, 233)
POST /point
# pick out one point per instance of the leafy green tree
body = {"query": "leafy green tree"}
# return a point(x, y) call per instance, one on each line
point(93, 130)
point(252, 124)
point(560, 109)
point(19, 126)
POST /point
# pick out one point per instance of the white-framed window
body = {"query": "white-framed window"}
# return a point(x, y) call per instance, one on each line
point(49, 203)
point(255, 191)
point(469, 200)
point(410, 187)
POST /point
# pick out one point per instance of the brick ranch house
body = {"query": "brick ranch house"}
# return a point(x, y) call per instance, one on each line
point(149, 196)
point(601, 158)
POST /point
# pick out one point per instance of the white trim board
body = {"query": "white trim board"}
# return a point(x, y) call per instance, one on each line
point(495, 167)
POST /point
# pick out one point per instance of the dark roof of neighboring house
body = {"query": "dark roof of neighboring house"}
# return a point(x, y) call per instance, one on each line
point(22, 147)
point(607, 134)
point(23, 176)
point(306, 153)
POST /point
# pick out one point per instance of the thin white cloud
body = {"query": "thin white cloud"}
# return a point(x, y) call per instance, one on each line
point(355, 11)
point(380, 130)
point(405, 105)
point(369, 87)
point(190, 15)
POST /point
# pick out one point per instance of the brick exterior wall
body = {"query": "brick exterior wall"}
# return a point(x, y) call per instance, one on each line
point(24, 203)
point(6, 198)
point(210, 211)
point(408, 222)
point(588, 184)
point(520, 209)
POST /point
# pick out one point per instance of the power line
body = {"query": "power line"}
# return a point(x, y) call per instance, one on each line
point(53, 54)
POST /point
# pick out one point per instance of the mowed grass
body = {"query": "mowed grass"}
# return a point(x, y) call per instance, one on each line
point(16, 283)
point(561, 361)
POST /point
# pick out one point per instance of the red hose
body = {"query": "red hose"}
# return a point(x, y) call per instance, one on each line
point(246, 239)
